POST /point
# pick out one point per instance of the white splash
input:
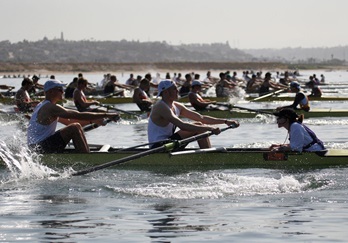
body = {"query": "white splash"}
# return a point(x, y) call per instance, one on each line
point(21, 162)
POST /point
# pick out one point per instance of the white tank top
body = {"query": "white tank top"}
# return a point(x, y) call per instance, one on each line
point(157, 133)
point(38, 132)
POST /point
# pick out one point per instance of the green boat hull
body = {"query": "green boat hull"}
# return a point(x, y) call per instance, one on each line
point(197, 160)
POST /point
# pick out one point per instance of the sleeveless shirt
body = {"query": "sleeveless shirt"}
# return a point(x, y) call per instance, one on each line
point(38, 132)
point(157, 133)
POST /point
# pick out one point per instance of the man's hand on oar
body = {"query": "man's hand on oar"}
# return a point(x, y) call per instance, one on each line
point(100, 122)
point(164, 148)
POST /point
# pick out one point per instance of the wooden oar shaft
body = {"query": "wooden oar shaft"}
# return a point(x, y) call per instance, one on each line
point(119, 161)
point(120, 110)
point(253, 110)
point(145, 144)
point(164, 148)
point(270, 94)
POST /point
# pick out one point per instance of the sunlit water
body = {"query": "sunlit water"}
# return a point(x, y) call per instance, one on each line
point(39, 204)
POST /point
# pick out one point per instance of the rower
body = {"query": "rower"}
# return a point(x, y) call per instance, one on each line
point(223, 86)
point(37, 88)
point(42, 135)
point(113, 87)
point(300, 98)
point(301, 137)
point(164, 119)
point(267, 84)
point(23, 100)
point(195, 98)
point(315, 90)
point(141, 96)
point(80, 100)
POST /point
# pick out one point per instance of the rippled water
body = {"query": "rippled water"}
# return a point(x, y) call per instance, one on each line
point(241, 205)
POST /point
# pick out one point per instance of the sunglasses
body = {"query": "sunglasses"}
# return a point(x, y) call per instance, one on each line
point(60, 89)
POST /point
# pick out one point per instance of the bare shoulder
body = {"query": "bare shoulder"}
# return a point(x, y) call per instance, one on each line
point(180, 106)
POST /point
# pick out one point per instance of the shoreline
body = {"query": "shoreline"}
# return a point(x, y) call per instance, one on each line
point(15, 68)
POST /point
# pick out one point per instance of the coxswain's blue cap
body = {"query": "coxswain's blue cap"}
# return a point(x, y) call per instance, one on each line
point(295, 84)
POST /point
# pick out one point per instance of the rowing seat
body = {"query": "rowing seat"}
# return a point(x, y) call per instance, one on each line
point(104, 148)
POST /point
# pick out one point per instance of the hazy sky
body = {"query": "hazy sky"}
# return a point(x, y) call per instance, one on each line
point(244, 23)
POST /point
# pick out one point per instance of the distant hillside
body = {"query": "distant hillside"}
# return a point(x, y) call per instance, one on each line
point(61, 51)
point(330, 55)
point(88, 51)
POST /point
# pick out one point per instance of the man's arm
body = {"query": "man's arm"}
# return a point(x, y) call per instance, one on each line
point(68, 116)
point(162, 115)
point(194, 101)
point(204, 119)
point(82, 103)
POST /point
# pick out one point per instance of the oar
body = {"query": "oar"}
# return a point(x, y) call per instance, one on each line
point(199, 151)
point(253, 110)
point(164, 148)
point(223, 104)
point(93, 126)
point(145, 144)
point(270, 94)
point(110, 107)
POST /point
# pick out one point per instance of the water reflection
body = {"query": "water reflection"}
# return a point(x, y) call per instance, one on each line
point(170, 224)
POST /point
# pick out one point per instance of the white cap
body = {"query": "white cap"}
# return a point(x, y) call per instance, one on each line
point(163, 85)
point(50, 84)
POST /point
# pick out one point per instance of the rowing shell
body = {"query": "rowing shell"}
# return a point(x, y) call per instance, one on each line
point(197, 159)
point(122, 100)
point(125, 100)
point(232, 113)
point(237, 113)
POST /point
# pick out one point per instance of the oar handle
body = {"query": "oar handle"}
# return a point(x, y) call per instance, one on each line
point(95, 125)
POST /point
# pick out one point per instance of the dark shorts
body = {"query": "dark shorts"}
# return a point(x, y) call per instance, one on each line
point(52, 144)
point(144, 106)
point(174, 137)
point(25, 108)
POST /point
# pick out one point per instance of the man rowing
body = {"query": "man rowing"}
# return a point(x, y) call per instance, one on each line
point(195, 98)
point(315, 90)
point(300, 98)
point(223, 86)
point(23, 100)
point(37, 88)
point(164, 119)
point(80, 100)
point(42, 135)
point(141, 96)
point(267, 84)
point(113, 87)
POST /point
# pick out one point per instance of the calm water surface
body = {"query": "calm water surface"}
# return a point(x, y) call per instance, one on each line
point(111, 205)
